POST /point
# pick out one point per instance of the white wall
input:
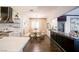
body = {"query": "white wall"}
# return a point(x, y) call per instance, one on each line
point(67, 25)
point(54, 24)
point(73, 12)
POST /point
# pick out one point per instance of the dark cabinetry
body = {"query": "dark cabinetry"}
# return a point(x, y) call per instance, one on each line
point(6, 15)
point(65, 42)
point(62, 18)
point(61, 23)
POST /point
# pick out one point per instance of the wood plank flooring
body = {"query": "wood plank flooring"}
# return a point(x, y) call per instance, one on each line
point(41, 45)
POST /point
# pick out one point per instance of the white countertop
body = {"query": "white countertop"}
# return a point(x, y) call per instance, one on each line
point(13, 44)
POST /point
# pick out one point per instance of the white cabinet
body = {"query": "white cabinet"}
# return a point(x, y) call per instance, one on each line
point(74, 24)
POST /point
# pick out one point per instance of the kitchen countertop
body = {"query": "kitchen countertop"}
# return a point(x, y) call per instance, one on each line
point(65, 34)
point(13, 44)
point(4, 33)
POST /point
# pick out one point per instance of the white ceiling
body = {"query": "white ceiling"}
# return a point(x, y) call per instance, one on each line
point(73, 12)
point(42, 11)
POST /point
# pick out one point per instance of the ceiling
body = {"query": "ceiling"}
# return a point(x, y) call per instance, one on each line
point(73, 12)
point(42, 11)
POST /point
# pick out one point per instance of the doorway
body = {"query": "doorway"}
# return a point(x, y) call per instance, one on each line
point(38, 25)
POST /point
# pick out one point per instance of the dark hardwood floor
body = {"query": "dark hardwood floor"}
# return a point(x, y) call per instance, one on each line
point(41, 45)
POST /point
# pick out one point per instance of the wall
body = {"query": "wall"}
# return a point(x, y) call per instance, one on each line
point(54, 24)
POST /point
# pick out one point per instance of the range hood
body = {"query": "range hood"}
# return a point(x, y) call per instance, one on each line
point(6, 15)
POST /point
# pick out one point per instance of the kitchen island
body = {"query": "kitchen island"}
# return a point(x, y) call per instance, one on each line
point(13, 44)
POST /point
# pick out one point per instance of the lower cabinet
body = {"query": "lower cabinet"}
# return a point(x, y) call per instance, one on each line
point(65, 42)
point(76, 45)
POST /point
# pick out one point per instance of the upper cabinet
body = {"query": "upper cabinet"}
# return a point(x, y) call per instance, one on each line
point(6, 15)
point(61, 23)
